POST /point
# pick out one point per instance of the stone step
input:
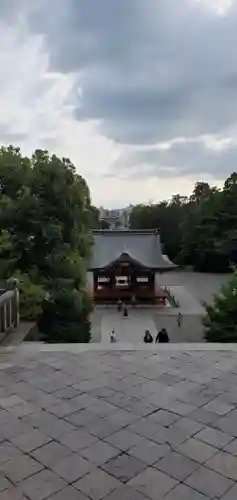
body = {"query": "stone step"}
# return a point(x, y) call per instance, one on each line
point(16, 336)
point(32, 347)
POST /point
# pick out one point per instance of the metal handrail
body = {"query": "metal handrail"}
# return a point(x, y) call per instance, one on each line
point(6, 295)
point(9, 311)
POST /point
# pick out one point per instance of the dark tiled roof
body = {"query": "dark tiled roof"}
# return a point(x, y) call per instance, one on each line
point(143, 246)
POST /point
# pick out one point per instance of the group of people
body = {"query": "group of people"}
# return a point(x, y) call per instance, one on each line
point(162, 337)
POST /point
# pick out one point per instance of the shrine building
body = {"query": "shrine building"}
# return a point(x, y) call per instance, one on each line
point(126, 265)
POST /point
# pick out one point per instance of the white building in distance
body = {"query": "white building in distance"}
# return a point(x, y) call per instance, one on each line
point(116, 218)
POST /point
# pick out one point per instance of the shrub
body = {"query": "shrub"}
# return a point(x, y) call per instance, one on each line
point(65, 315)
point(31, 297)
point(220, 321)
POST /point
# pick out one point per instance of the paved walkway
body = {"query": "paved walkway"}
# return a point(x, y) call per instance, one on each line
point(118, 425)
point(190, 331)
point(202, 286)
point(188, 304)
point(130, 329)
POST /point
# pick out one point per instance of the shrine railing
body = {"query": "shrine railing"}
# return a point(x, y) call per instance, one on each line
point(174, 302)
point(9, 311)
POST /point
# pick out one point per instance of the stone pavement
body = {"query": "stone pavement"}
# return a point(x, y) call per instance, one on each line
point(188, 304)
point(189, 288)
point(201, 286)
point(191, 330)
point(113, 425)
point(132, 329)
point(128, 329)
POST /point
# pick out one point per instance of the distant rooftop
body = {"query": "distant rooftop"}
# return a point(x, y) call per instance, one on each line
point(116, 218)
point(141, 245)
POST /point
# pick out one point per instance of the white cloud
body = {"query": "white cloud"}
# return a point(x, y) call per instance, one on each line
point(220, 7)
point(37, 107)
point(38, 110)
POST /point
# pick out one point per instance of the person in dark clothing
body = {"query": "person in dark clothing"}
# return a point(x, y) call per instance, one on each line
point(162, 336)
point(125, 312)
point(148, 339)
point(179, 320)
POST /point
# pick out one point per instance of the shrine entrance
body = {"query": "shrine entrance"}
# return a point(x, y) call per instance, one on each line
point(127, 280)
point(124, 266)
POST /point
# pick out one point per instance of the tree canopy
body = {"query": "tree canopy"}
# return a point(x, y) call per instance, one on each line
point(45, 213)
point(220, 321)
point(200, 230)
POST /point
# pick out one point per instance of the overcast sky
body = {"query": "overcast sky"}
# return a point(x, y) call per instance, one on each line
point(140, 94)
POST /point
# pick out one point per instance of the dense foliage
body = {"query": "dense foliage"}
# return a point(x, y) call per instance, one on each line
point(200, 230)
point(95, 222)
point(31, 296)
point(45, 213)
point(220, 320)
point(65, 313)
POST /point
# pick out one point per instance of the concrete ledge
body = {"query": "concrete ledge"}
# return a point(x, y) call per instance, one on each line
point(16, 335)
point(32, 347)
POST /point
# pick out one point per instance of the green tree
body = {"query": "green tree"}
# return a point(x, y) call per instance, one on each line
point(200, 232)
point(15, 171)
point(65, 315)
point(6, 250)
point(227, 222)
point(201, 192)
point(31, 296)
point(94, 218)
point(45, 216)
point(104, 224)
point(209, 235)
point(220, 320)
point(165, 216)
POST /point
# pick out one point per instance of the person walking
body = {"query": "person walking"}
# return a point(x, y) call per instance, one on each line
point(148, 339)
point(113, 336)
point(125, 312)
point(162, 336)
point(179, 320)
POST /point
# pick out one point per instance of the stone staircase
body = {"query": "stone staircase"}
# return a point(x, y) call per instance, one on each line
point(17, 335)
point(29, 348)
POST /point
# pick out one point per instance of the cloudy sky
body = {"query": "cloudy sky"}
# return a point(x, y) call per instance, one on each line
point(140, 94)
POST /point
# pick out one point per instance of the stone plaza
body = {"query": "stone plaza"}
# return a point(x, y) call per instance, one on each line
point(82, 423)
point(189, 289)
point(125, 421)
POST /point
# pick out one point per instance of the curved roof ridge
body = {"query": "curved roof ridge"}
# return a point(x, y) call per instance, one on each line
point(143, 247)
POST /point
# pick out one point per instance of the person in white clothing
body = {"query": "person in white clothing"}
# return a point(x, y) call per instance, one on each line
point(113, 336)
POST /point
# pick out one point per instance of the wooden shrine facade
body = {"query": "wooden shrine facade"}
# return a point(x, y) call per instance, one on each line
point(125, 265)
point(127, 280)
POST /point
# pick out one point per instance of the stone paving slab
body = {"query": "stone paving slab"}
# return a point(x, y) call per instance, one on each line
point(111, 425)
point(129, 329)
